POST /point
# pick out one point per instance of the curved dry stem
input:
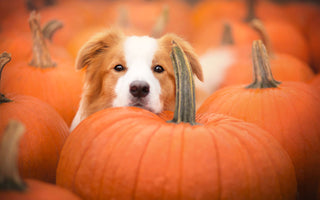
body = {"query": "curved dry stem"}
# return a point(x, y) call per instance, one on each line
point(9, 171)
point(41, 55)
point(258, 25)
point(4, 59)
point(185, 108)
point(50, 28)
point(263, 77)
point(227, 37)
point(250, 11)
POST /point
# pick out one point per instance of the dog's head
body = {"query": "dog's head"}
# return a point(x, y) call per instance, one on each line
point(130, 71)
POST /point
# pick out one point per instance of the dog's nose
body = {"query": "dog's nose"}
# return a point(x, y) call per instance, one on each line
point(139, 88)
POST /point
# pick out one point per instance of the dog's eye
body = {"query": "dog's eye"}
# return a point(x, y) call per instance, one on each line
point(158, 69)
point(118, 68)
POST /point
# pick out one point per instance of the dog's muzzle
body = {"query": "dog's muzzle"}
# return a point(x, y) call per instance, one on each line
point(139, 91)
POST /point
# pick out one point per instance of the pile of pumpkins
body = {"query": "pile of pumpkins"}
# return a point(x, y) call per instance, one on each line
point(252, 134)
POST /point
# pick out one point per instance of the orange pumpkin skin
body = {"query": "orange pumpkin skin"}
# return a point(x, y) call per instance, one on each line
point(45, 134)
point(59, 86)
point(39, 190)
point(125, 153)
point(207, 11)
point(315, 81)
point(301, 14)
point(290, 113)
point(284, 43)
point(74, 15)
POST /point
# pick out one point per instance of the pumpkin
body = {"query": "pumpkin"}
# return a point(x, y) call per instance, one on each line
point(14, 15)
point(275, 26)
point(131, 153)
point(288, 110)
point(283, 43)
point(209, 36)
point(12, 186)
point(301, 14)
point(208, 18)
point(264, 10)
point(14, 39)
point(53, 81)
point(284, 66)
point(46, 132)
point(305, 16)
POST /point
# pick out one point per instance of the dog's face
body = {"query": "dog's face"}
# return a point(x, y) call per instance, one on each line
point(130, 71)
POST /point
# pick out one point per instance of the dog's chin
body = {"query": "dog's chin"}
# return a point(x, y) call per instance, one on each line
point(142, 105)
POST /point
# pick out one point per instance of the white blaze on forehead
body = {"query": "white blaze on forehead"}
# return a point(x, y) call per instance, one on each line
point(139, 53)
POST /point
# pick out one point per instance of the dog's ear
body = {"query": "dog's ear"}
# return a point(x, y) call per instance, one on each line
point(96, 45)
point(188, 50)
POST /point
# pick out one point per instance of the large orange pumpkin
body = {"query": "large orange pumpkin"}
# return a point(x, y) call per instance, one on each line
point(53, 81)
point(290, 111)
point(46, 132)
point(131, 153)
point(11, 185)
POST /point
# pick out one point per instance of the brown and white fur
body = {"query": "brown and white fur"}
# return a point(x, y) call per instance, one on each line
point(129, 71)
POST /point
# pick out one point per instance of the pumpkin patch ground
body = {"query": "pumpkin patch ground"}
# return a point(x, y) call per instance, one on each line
point(250, 130)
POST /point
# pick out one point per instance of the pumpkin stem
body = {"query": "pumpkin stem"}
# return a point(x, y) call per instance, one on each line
point(263, 77)
point(50, 28)
point(4, 59)
point(227, 37)
point(250, 11)
point(185, 95)
point(260, 28)
point(161, 23)
point(9, 171)
point(41, 56)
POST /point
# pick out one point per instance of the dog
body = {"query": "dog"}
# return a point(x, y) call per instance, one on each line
point(132, 70)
